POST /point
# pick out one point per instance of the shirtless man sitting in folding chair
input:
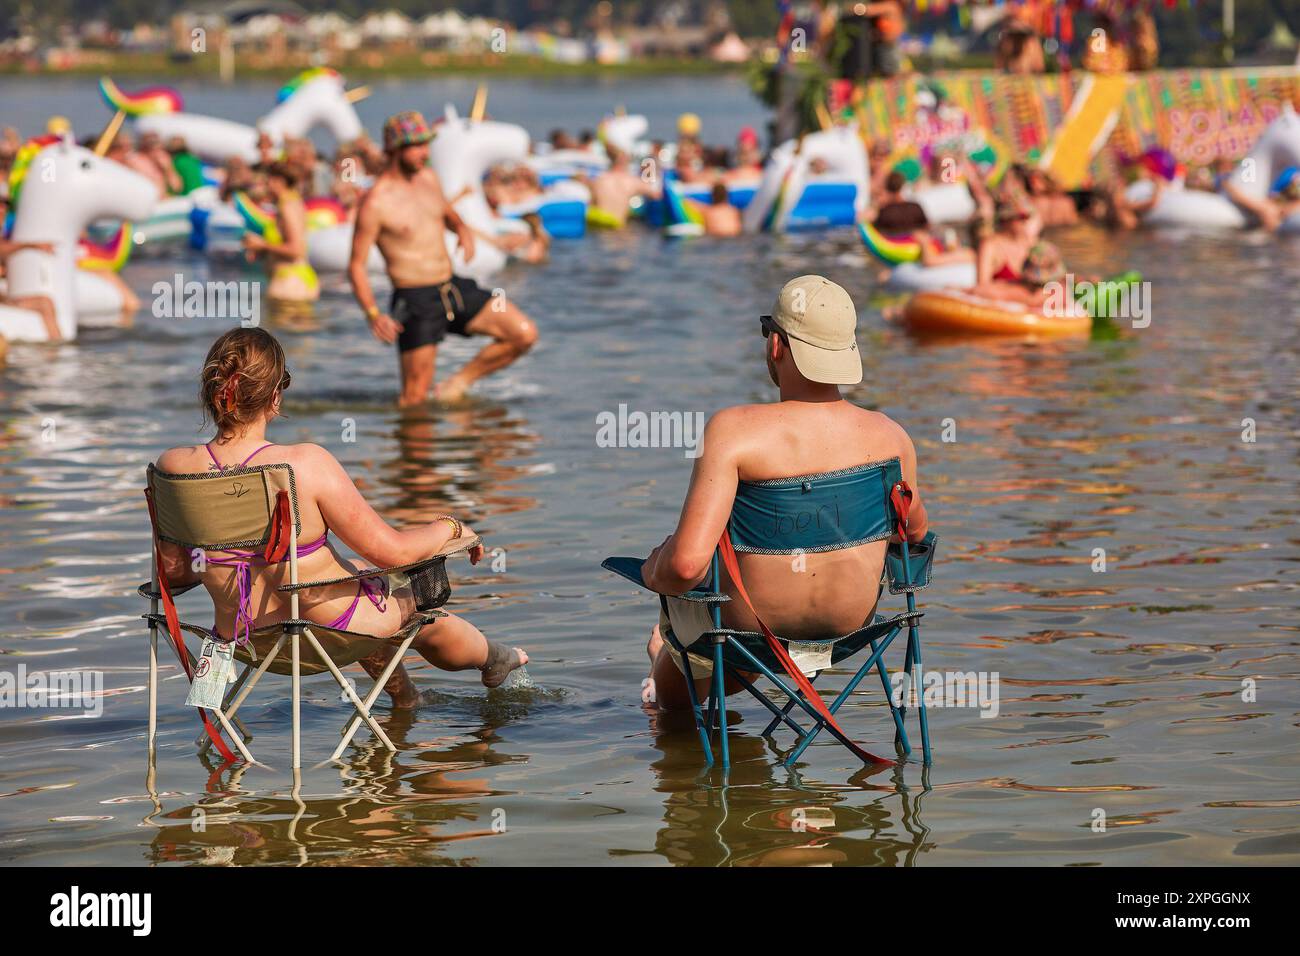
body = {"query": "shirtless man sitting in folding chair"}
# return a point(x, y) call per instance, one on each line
point(811, 350)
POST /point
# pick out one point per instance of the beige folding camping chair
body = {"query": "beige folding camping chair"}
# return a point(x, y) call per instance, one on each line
point(257, 508)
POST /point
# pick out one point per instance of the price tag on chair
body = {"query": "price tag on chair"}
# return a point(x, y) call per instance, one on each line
point(213, 670)
point(810, 658)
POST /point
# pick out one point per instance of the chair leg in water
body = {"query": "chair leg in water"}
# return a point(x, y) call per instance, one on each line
point(349, 731)
point(900, 730)
point(720, 693)
point(697, 712)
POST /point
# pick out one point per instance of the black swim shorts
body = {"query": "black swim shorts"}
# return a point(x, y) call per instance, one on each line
point(427, 313)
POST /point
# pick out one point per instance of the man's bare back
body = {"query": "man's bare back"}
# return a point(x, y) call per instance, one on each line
point(406, 217)
point(791, 438)
point(722, 220)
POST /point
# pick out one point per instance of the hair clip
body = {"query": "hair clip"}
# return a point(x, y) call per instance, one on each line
point(228, 392)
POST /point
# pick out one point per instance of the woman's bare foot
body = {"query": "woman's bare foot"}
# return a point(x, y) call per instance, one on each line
point(501, 660)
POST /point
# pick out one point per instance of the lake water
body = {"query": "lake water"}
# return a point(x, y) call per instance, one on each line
point(1162, 692)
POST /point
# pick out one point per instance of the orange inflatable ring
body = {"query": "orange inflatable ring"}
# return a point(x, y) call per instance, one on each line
point(951, 312)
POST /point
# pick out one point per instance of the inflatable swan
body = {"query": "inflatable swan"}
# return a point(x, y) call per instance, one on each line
point(313, 98)
point(792, 196)
point(461, 154)
point(1277, 148)
point(65, 187)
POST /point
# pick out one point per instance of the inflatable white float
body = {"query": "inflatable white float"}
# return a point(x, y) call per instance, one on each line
point(316, 97)
point(949, 204)
point(902, 255)
point(64, 188)
point(461, 155)
point(792, 195)
point(914, 277)
point(1277, 148)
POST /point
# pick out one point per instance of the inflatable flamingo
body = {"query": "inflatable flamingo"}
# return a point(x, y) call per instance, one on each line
point(65, 188)
point(792, 196)
point(1277, 148)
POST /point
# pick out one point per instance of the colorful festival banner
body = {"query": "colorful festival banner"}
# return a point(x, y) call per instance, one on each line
point(1199, 115)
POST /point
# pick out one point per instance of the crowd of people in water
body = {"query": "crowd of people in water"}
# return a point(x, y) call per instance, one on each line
point(1004, 239)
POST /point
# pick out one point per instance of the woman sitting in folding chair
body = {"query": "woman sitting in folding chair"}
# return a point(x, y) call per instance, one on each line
point(243, 382)
point(803, 457)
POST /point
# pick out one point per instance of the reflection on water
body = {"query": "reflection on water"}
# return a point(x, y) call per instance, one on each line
point(1158, 687)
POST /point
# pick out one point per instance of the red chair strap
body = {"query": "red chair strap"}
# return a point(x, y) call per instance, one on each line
point(281, 536)
point(174, 630)
point(901, 497)
point(728, 553)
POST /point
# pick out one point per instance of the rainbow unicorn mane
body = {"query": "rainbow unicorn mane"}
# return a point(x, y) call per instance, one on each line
point(256, 219)
point(152, 99)
point(301, 80)
point(892, 252)
point(323, 212)
point(110, 256)
point(22, 161)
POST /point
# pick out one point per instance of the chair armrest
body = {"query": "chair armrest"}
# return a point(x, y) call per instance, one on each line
point(630, 568)
point(452, 547)
point(146, 590)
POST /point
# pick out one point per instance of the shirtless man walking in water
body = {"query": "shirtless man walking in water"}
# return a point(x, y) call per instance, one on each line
point(407, 215)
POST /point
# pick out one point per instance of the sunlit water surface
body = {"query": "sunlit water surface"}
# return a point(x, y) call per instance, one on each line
point(1161, 692)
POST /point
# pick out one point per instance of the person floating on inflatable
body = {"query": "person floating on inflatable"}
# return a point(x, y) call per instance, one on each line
point(42, 305)
point(899, 231)
point(1283, 198)
point(1116, 210)
point(1014, 262)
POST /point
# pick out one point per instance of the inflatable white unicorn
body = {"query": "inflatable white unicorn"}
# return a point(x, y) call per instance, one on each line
point(461, 154)
point(1277, 148)
point(316, 97)
point(819, 180)
point(65, 188)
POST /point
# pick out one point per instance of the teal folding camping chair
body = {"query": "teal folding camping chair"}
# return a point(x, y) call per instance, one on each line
point(811, 513)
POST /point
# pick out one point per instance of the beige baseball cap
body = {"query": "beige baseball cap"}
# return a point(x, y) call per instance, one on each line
point(821, 322)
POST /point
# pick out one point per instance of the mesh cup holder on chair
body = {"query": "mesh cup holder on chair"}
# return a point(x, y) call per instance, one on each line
point(429, 584)
point(920, 558)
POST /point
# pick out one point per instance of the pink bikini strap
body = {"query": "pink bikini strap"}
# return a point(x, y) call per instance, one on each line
point(252, 456)
point(221, 467)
